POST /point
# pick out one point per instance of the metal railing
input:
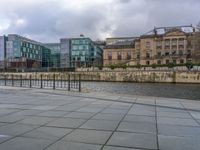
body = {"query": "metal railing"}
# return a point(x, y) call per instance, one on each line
point(68, 82)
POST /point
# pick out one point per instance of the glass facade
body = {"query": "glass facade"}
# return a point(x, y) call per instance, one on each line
point(84, 53)
point(2, 51)
point(23, 53)
point(54, 56)
point(65, 53)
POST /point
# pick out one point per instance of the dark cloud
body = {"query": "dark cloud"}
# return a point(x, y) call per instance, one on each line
point(49, 20)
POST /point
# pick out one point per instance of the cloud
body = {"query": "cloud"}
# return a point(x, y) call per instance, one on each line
point(49, 20)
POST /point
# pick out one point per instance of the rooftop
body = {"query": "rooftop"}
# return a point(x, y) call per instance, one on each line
point(164, 30)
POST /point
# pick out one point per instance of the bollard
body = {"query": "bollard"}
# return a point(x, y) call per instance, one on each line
point(69, 82)
point(12, 80)
point(30, 79)
point(79, 83)
point(20, 80)
point(41, 82)
point(5, 80)
point(54, 81)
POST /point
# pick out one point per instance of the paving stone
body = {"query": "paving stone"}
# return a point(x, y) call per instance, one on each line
point(12, 118)
point(28, 112)
point(117, 148)
point(3, 137)
point(114, 111)
point(46, 107)
point(143, 107)
point(53, 113)
point(120, 106)
point(113, 117)
point(165, 109)
point(135, 140)
point(178, 143)
point(142, 112)
point(36, 120)
point(63, 145)
point(100, 125)
point(66, 122)
point(141, 127)
point(7, 111)
point(195, 114)
point(174, 114)
point(90, 110)
point(48, 133)
point(139, 118)
point(15, 129)
point(80, 115)
point(3, 124)
point(88, 136)
point(175, 130)
point(21, 143)
point(177, 121)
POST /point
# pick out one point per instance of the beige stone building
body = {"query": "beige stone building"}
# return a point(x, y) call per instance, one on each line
point(119, 51)
point(161, 45)
point(196, 44)
point(167, 44)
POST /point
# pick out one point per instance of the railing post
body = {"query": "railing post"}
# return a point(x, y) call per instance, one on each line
point(79, 82)
point(12, 80)
point(30, 81)
point(5, 80)
point(20, 80)
point(69, 82)
point(54, 81)
point(41, 82)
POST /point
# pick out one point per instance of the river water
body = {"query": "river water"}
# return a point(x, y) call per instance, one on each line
point(188, 91)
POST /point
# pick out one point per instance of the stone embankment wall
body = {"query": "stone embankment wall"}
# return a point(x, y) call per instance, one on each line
point(129, 76)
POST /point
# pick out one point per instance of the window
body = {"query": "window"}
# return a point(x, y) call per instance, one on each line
point(148, 44)
point(24, 49)
point(182, 61)
point(119, 56)
point(159, 62)
point(80, 47)
point(147, 63)
point(174, 61)
point(166, 53)
point(173, 52)
point(174, 42)
point(158, 54)
point(74, 47)
point(128, 55)
point(147, 55)
point(167, 61)
point(180, 52)
point(109, 56)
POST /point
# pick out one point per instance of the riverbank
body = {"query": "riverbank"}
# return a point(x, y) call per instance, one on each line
point(129, 76)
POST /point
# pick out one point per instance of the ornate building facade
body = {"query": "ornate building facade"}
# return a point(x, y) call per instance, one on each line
point(160, 46)
point(119, 51)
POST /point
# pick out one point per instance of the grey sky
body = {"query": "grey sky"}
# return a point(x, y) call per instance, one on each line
point(49, 20)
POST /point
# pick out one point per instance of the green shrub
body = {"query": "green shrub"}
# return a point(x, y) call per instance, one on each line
point(171, 65)
point(112, 67)
point(189, 65)
point(154, 66)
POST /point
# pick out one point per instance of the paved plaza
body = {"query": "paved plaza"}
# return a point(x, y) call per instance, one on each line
point(34, 119)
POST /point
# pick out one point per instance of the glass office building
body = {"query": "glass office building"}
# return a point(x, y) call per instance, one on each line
point(54, 54)
point(84, 53)
point(23, 53)
point(3, 40)
point(65, 53)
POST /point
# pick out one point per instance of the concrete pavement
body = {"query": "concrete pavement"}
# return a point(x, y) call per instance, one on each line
point(37, 119)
